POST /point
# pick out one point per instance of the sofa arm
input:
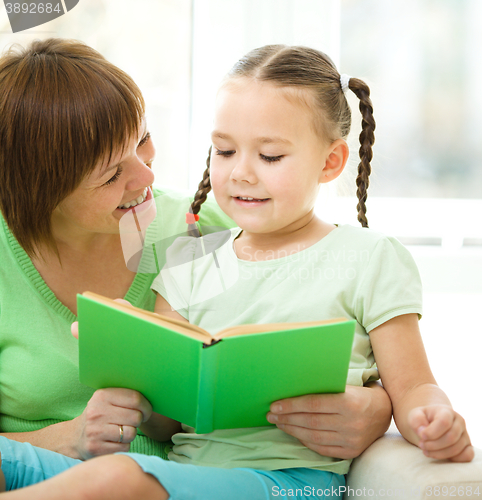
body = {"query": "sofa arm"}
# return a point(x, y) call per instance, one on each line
point(392, 467)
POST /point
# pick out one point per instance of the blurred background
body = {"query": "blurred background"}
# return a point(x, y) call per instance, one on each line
point(421, 59)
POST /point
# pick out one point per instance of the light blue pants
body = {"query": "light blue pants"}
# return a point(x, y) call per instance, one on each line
point(24, 465)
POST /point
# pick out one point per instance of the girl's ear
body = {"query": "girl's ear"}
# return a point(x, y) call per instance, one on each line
point(336, 160)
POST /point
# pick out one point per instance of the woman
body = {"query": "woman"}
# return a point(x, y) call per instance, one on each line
point(75, 153)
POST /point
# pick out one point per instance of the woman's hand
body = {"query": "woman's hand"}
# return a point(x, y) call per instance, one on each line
point(335, 425)
point(98, 430)
point(110, 420)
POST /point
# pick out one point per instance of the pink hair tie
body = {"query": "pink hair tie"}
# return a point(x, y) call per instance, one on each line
point(191, 218)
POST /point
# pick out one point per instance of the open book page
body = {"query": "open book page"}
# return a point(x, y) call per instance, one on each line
point(170, 323)
point(198, 333)
point(271, 327)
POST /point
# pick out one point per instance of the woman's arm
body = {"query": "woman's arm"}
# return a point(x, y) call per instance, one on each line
point(422, 411)
point(336, 425)
point(97, 430)
point(56, 437)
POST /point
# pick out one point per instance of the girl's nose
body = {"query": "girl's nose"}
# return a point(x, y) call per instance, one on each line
point(243, 172)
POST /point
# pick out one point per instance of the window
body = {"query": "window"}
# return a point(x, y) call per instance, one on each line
point(422, 62)
point(151, 41)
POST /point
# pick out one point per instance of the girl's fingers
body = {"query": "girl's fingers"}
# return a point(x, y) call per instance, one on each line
point(453, 451)
point(418, 421)
point(451, 437)
point(445, 436)
point(467, 455)
point(441, 420)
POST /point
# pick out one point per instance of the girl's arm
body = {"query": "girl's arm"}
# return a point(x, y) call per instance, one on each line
point(422, 411)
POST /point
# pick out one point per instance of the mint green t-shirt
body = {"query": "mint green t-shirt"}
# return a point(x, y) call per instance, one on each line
point(39, 380)
point(352, 272)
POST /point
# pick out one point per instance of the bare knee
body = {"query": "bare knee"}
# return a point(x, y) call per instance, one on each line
point(120, 477)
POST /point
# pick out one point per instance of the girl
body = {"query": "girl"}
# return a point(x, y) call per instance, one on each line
point(279, 132)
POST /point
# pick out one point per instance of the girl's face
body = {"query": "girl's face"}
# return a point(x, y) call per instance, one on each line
point(102, 198)
point(267, 160)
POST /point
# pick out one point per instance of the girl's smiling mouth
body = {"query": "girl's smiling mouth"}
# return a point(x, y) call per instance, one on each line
point(248, 200)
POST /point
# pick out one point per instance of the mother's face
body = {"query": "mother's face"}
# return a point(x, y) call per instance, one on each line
point(94, 207)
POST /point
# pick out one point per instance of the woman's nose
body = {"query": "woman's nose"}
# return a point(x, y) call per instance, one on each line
point(141, 174)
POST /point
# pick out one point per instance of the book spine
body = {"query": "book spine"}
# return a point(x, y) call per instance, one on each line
point(207, 388)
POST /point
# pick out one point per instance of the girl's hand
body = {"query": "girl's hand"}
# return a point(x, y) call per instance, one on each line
point(442, 433)
point(98, 430)
point(335, 425)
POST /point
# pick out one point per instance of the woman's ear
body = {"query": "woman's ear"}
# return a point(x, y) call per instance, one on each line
point(336, 160)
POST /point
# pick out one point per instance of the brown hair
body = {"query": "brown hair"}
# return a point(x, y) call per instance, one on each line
point(306, 68)
point(64, 108)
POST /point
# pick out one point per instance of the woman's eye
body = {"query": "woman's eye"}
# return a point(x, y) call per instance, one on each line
point(144, 139)
point(225, 153)
point(270, 159)
point(114, 177)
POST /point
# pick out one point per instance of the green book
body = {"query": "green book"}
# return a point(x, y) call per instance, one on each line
point(209, 382)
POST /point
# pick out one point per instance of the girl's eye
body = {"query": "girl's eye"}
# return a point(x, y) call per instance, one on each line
point(225, 153)
point(114, 177)
point(144, 139)
point(271, 159)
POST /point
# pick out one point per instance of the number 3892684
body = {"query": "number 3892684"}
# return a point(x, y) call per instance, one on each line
point(33, 8)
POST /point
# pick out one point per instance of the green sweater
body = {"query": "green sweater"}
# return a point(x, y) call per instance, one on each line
point(39, 381)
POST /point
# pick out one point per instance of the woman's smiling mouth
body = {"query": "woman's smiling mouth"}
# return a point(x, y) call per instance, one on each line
point(137, 201)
